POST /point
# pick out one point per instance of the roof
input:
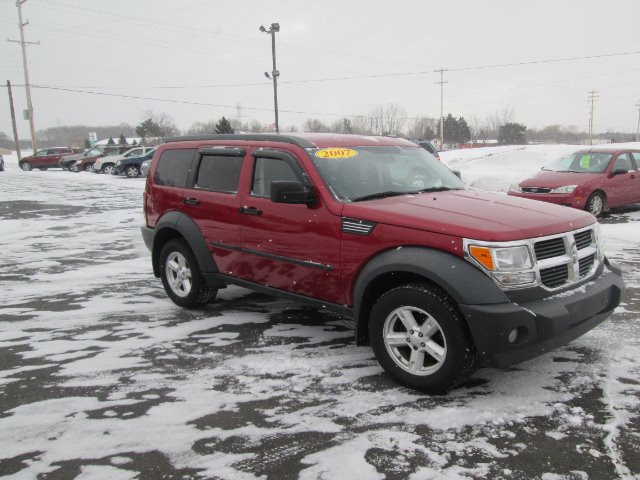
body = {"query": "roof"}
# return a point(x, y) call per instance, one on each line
point(605, 149)
point(306, 140)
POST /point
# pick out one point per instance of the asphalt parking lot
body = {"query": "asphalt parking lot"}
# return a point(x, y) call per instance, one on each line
point(101, 376)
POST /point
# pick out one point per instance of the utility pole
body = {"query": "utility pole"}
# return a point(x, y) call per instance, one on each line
point(593, 96)
point(275, 27)
point(13, 121)
point(27, 85)
point(638, 129)
point(441, 82)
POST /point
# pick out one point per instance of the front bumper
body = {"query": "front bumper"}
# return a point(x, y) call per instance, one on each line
point(542, 324)
point(565, 199)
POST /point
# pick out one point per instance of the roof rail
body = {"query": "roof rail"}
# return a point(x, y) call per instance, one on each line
point(251, 137)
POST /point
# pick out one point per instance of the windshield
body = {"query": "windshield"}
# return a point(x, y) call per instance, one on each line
point(581, 162)
point(92, 152)
point(364, 173)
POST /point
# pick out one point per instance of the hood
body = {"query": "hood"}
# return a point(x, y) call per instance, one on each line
point(548, 179)
point(472, 214)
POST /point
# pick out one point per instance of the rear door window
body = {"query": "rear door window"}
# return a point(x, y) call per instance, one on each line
point(219, 173)
point(173, 167)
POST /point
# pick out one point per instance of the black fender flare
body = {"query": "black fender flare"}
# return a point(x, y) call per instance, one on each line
point(177, 222)
point(462, 281)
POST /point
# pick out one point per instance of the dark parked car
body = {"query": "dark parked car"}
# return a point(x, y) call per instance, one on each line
point(1, 164)
point(84, 161)
point(429, 147)
point(593, 180)
point(437, 278)
point(130, 166)
point(46, 158)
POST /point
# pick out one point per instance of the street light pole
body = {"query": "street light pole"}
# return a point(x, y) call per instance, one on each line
point(275, 27)
point(23, 43)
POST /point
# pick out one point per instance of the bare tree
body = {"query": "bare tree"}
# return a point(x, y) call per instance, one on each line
point(500, 119)
point(423, 128)
point(315, 125)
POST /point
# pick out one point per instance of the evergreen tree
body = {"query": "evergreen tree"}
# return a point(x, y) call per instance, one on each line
point(224, 126)
point(464, 132)
point(87, 143)
point(122, 140)
point(512, 134)
point(111, 141)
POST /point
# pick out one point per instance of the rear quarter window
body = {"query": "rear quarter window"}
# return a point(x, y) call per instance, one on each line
point(173, 167)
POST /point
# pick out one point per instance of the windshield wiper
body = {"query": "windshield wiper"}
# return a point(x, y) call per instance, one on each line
point(372, 196)
point(434, 189)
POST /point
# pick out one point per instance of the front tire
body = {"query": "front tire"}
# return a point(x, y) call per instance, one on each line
point(181, 276)
point(595, 204)
point(109, 169)
point(421, 339)
point(26, 166)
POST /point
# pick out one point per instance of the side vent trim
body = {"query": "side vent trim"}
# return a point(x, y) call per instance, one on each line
point(357, 227)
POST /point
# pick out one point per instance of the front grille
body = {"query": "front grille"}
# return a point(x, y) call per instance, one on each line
point(550, 248)
point(583, 239)
point(555, 276)
point(535, 190)
point(566, 259)
point(586, 264)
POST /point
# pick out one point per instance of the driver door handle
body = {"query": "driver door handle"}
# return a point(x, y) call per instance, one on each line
point(190, 201)
point(251, 211)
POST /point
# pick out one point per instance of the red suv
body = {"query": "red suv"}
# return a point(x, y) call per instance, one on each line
point(439, 279)
point(46, 158)
point(593, 180)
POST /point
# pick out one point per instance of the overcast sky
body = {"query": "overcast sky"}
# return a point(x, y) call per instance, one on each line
point(198, 60)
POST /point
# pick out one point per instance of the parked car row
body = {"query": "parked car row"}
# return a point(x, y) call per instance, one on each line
point(111, 159)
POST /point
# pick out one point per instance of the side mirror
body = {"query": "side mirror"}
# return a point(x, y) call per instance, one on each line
point(619, 171)
point(291, 192)
point(457, 174)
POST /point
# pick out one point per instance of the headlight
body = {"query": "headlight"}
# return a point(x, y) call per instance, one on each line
point(119, 162)
point(511, 266)
point(565, 189)
point(515, 188)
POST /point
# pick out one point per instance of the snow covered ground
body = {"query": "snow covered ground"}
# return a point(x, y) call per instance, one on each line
point(101, 376)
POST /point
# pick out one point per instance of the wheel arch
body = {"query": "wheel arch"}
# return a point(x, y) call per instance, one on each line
point(178, 225)
point(455, 277)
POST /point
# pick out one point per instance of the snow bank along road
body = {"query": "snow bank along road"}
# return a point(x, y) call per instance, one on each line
point(101, 376)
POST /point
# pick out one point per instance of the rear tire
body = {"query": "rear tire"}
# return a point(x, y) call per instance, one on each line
point(26, 166)
point(132, 171)
point(421, 339)
point(596, 204)
point(181, 276)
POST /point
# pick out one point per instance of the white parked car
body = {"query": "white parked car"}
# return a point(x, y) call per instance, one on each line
point(106, 164)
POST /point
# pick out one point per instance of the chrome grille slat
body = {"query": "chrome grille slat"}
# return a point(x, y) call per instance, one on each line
point(550, 248)
point(583, 239)
point(586, 264)
point(555, 276)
